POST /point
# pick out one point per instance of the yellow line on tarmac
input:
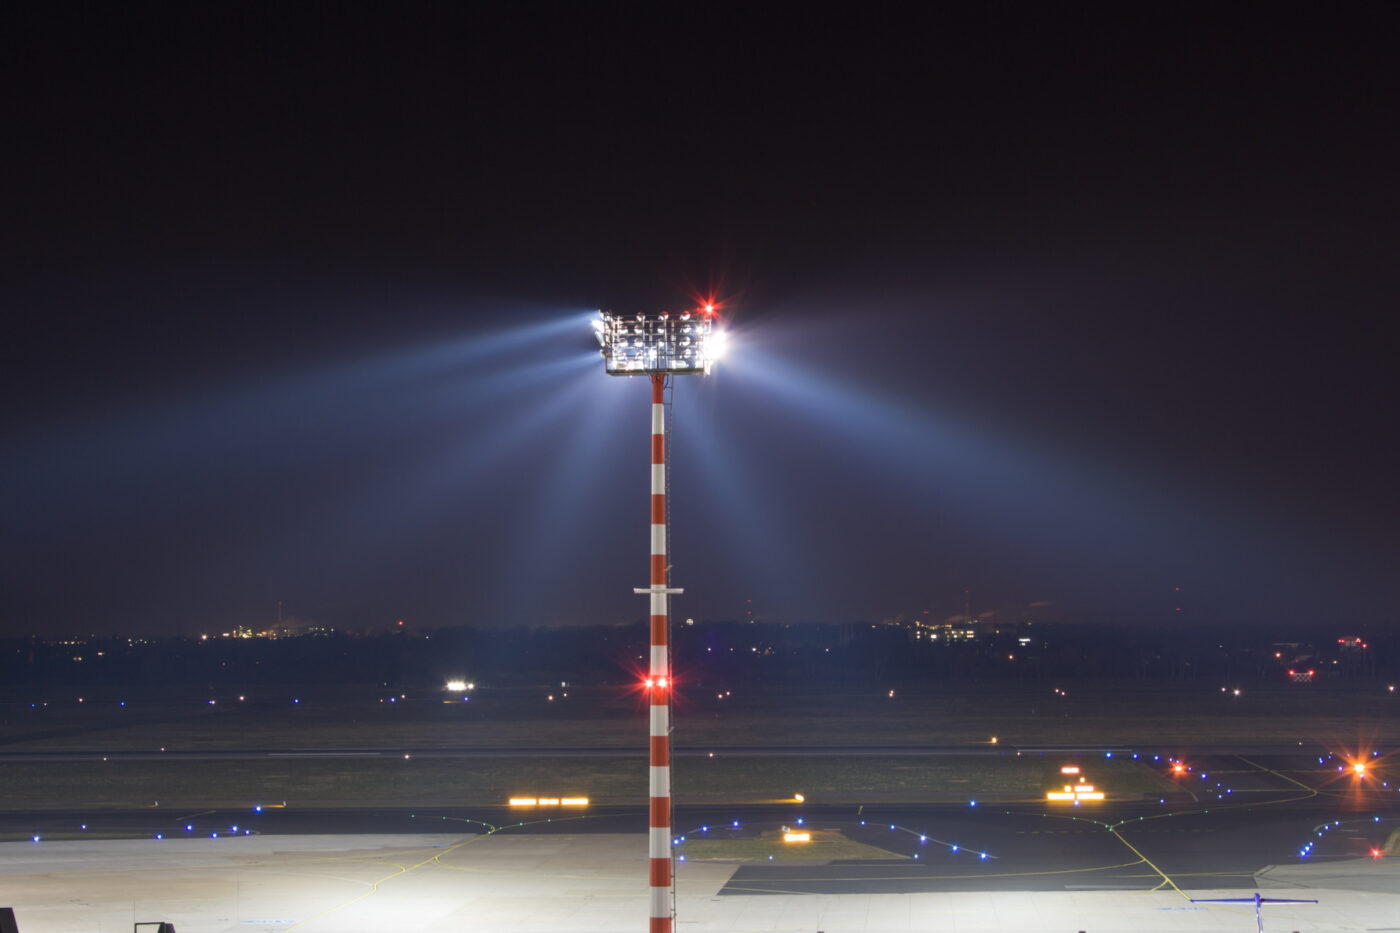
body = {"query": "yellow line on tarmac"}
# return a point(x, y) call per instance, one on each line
point(1233, 805)
point(1166, 879)
point(1312, 791)
point(374, 886)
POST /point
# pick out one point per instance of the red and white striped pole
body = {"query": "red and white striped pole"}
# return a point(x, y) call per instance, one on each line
point(659, 680)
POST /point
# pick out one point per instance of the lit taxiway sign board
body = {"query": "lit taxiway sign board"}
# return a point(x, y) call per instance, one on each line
point(1077, 792)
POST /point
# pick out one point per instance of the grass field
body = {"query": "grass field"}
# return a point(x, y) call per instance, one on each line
point(396, 782)
point(274, 717)
point(271, 718)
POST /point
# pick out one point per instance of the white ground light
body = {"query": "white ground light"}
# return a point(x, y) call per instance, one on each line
point(575, 884)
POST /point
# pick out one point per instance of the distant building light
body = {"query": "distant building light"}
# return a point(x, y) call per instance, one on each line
point(797, 837)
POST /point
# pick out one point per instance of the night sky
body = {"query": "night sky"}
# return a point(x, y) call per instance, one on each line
point(1063, 310)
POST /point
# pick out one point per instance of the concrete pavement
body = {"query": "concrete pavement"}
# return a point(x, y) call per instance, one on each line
point(587, 883)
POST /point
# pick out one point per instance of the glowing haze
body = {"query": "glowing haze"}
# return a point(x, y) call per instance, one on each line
point(1048, 320)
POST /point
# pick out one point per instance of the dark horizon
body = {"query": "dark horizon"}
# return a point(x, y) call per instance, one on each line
point(1058, 309)
point(761, 657)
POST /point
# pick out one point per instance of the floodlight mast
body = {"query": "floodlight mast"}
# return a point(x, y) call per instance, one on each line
point(660, 346)
point(683, 343)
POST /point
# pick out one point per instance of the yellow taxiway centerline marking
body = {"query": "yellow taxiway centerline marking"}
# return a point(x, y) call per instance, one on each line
point(374, 886)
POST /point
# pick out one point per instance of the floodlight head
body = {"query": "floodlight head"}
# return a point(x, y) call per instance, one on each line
point(638, 344)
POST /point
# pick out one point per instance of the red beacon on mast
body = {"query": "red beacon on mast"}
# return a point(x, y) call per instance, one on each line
point(660, 345)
